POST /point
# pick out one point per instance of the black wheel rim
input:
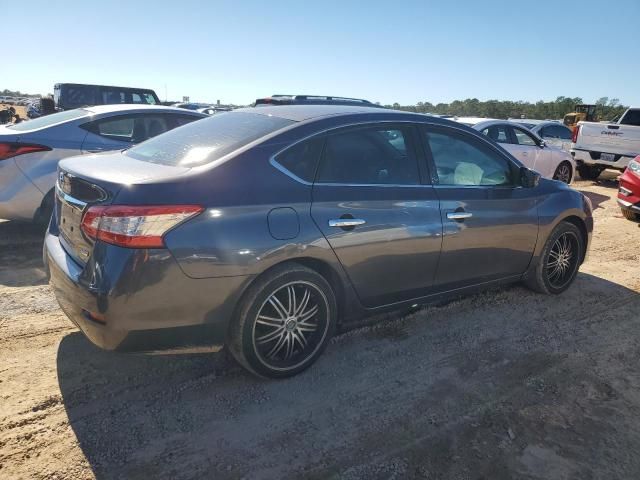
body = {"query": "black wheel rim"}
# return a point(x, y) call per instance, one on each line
point(291, 325)
point(563, 173)
point(562, 260)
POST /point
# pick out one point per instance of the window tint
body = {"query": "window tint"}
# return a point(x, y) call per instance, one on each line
point(145, 98)
point(207, 140)
point(497, 133)
point(523, 138)
point(302, 158)
point(462, 161)
point(556, 131)
point(180, 120)
point(632, 117)
point(131, 128)
point(369, 156)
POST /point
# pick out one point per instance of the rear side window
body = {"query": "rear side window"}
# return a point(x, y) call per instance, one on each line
point(369, 156)
point(462, 161)
point(556, 131)
point(130, 128)
point(632, 117)
point(302, 159)
point(207, 140)
point(497, 133)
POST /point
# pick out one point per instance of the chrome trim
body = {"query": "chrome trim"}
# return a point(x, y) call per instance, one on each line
point(625, 191)
point(459, 215)
point(425, 121)
point(69, 200)
point(628, 205)
point(346, 222)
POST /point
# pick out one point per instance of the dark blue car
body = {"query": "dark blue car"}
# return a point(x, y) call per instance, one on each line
point(265, 229)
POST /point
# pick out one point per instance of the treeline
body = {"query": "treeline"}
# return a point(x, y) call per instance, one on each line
point(502, 109)
point(11, 93)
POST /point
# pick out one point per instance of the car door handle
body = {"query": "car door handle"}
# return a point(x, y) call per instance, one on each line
point(459, 215)
point(346, 222)
point(524, 154)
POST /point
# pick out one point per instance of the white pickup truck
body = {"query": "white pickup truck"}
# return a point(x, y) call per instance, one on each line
point(597, 146)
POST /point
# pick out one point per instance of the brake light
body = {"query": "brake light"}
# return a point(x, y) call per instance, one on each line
point(13, 149)
point(574, 137)
point(135, 226)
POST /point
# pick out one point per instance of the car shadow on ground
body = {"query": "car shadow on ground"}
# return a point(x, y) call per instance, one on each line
point(21, 254)
point(596, 199)
point(152, 416)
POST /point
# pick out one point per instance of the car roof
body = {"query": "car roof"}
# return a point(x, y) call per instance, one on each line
point(123, 107)
point(299, 113)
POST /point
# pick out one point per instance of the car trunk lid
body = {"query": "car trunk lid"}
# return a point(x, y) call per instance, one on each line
point(96, 180)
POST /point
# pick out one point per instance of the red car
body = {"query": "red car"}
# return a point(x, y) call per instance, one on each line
point(629, 192)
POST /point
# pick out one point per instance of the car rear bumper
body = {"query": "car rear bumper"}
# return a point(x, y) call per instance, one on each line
point(139, 301)
point(19, 197)
point(590, 157)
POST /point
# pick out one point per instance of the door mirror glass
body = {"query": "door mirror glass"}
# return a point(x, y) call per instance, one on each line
point(529, 178)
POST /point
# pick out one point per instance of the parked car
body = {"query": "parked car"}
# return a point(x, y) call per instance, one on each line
point(68, 96)
point(597, 146)
point(629, 190)
point(553, 133)
point(30, 151)
point(191, 106)
point(529, 148)
point(265, 228)
point(212, 110)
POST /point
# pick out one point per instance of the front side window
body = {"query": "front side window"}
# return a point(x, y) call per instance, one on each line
point(463, 161)
point(112, 97)
point(369, 156)
point(302, 158)
point(632, 117)
point(523, 138)
point(497, 133)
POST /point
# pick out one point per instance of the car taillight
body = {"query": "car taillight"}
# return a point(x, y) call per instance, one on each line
point(135, 226)
point(13, 149)
point(574, 137)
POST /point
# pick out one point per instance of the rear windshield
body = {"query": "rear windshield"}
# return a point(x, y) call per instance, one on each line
point(48, 120)
point(206, 140)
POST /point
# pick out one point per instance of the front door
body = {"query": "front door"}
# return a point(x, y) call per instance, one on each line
point(490, 222)
point(532, 155)
point(383, 222)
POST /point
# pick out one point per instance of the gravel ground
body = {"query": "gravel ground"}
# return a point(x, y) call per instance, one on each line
point(504, 384)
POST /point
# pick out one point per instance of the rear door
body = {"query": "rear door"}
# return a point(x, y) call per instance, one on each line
point(372, 201)
point(490, 222)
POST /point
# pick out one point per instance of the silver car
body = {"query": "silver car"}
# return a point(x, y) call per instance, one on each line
point(30, 151)
point(552, 132)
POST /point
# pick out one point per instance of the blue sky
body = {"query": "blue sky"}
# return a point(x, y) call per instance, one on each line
point(386, 51)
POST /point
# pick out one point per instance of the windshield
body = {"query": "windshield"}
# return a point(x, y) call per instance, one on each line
point(49, 120)
point(207, 140)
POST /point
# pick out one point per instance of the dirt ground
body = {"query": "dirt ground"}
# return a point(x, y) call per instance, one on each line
point(504, 384)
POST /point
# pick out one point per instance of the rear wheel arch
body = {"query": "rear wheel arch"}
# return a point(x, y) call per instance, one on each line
point(43, 214)
point(319, 266)
point(579, 223)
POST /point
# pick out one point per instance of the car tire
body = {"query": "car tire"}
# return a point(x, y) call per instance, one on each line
point(563, 173)
point(589, 172)
point(559, 261)
point(283, 322)
point(629, 215)
point(43, 215)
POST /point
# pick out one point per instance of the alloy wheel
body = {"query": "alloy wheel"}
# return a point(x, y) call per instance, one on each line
point(563, 260)
point(563, 173)
point(291, 325)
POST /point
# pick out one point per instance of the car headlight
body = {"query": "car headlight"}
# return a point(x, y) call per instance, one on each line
point(634, 167)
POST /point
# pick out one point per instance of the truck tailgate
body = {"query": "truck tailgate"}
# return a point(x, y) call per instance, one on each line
point(609, 138)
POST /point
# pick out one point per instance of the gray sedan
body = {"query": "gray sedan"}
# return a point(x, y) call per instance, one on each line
point(30, 151)
point(267, 228)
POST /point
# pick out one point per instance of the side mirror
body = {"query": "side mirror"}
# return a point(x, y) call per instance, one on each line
point(542, 144)
point(529, 178)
